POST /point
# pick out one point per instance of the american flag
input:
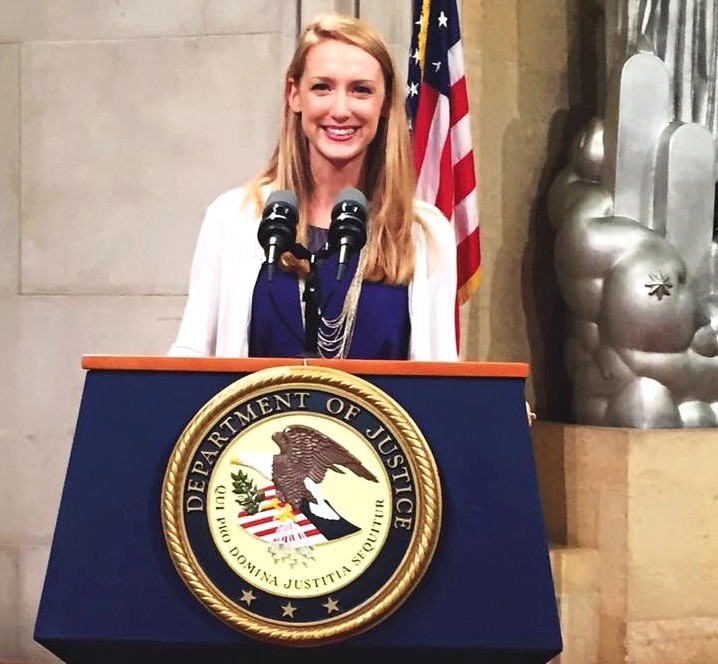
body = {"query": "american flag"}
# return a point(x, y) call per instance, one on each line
point(267, 522)
point(437, 104)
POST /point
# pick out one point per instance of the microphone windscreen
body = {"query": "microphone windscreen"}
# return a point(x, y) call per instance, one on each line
point(283, 196)
point(351, 194)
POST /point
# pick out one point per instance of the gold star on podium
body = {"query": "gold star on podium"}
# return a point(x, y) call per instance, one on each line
point(331, 605)
point(288, 610)
point(247, 597)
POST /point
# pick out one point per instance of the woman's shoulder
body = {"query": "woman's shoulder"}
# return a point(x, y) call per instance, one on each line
point(428, 211)
point(239, 205)
point(234, 200)
point(434, 219)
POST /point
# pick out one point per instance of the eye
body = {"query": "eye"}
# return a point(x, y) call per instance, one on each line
point(363, 90)
point(319, 86)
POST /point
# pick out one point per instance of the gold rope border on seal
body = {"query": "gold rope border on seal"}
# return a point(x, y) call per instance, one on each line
point(405, 577)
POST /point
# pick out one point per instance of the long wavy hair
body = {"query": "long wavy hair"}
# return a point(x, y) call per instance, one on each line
point(387, 177)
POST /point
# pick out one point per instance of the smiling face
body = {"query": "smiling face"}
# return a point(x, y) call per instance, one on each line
point(340, 96)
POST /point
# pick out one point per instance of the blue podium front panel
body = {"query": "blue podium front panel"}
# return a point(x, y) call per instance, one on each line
point(112, 593)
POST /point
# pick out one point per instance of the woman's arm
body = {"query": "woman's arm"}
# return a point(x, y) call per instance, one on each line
point(198, 330)
point(433, 289)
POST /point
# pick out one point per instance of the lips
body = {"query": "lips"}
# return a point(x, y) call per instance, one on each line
point(339, 133)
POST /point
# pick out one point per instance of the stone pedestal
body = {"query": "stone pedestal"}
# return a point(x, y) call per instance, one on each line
point(575, 573)
point(645, 504)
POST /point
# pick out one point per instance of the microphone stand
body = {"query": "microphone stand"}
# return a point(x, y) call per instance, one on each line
point(311, 309)
point(311, 297)
point(346, 234)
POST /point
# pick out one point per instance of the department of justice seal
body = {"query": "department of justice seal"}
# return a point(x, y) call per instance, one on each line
point(301, 505)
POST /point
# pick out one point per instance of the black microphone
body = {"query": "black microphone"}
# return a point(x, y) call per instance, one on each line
point(278, 228)
point(347, 230)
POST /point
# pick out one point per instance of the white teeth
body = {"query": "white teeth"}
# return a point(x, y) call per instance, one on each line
point(340, 131)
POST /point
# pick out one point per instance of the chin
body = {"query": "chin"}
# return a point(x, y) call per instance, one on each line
point(342, 157)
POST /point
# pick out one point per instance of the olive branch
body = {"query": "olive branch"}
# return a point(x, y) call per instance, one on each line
point(248, 496)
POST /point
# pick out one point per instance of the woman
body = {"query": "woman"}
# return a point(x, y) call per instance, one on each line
point(344, 125)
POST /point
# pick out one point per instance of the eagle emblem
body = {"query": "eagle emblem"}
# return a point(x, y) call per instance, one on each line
point(300, 514)
point(301, 505)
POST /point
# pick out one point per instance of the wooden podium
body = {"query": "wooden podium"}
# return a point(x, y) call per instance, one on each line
point(111, 592)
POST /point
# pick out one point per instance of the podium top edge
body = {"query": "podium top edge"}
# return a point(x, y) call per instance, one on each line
point(251, 364)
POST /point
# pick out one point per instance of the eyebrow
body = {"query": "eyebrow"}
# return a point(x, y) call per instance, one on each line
point(358, 81)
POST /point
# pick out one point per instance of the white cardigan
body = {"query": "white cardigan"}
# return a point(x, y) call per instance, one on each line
point(227, 260)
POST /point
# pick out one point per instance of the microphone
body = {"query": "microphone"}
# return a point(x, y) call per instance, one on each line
point(347, 230)
point(277, 231)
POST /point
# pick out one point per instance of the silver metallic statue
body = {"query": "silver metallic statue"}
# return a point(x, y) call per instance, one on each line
point(682, 33)
point(636, 261)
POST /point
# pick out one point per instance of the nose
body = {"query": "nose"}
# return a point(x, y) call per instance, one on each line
point(340, 107)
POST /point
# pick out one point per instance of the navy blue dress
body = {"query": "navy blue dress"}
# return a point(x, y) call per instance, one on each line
point(382, 319)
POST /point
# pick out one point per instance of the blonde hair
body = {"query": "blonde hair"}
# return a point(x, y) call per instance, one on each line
point(387, 178)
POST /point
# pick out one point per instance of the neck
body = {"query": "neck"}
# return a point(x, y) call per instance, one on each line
point(329, 180)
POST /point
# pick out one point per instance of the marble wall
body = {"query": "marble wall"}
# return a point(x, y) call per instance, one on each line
point(532, 70)
point(120, 120)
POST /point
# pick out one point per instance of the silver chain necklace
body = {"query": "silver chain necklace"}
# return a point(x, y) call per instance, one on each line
point(335, 334)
